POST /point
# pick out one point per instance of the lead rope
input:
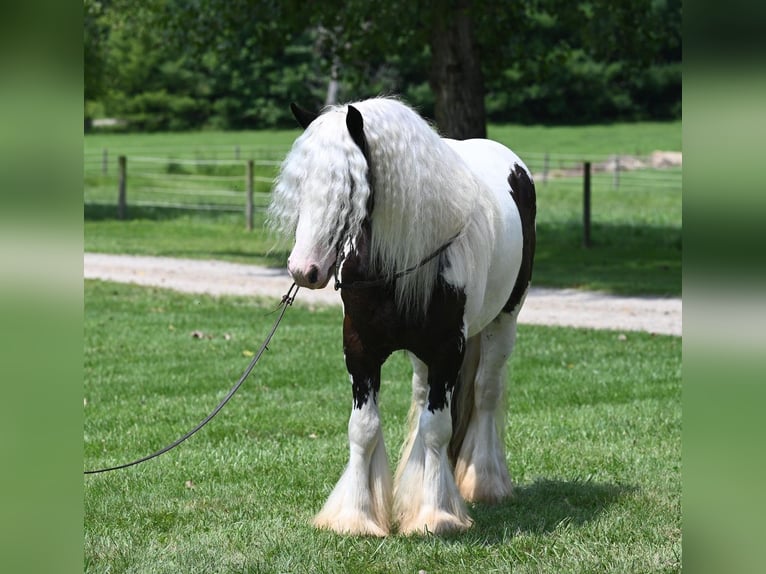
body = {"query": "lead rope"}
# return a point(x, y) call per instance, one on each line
point(287, 300)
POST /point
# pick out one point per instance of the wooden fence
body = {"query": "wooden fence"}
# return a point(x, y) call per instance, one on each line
point(231, 184)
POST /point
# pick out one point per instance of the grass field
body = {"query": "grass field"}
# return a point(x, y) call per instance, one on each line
point(593, 441)
point(624, 138)
point(636, 227)
point(593, 435)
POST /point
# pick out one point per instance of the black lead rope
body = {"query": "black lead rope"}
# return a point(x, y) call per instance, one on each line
point(287, 300)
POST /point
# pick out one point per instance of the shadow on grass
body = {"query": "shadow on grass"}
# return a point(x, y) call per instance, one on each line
point(623, 259)
point(108, 212)
point(542, 507)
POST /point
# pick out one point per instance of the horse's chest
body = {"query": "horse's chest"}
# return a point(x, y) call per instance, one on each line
point(374, 325)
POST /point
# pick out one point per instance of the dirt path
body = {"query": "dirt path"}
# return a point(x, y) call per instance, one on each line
point(563, 307)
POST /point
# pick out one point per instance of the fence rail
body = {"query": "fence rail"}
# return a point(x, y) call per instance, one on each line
point(239, 179)
point(181, 179)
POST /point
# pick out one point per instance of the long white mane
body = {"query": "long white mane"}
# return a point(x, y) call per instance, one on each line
point(424, 194)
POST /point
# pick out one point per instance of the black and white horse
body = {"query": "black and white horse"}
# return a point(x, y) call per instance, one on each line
point(431, 241)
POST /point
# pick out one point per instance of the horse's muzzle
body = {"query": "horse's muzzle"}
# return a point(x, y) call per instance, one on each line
point(310, 276)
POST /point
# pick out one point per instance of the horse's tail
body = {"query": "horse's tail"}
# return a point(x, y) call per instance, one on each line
point(462, 396)
point(523, 193)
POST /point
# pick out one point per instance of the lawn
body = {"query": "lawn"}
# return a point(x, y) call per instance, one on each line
point(593, 442)
point(624, 138)
point(638, 138)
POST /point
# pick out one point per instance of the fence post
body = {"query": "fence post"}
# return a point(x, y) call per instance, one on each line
point(546, 164)
point(236, 152)
point(104, 161)
point(122, 206)
point(586, 204)
point(616, 176)
point(249, 196)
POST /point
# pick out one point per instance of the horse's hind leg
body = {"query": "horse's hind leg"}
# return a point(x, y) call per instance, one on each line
point(481, 471)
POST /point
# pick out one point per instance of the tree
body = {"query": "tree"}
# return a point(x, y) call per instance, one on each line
point(457, 78)
point(365, 30)
point(354, 34)
point(238, 63)
point(94, 53)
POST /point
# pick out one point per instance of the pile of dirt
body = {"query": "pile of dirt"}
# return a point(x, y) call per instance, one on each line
point(655, 160)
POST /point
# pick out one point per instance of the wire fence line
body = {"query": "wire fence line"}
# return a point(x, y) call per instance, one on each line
point(180, 180)
point(222, 178)
point(210, 154)
point(201, 207)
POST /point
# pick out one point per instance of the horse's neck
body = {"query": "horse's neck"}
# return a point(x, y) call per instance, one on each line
point(358, 249)
point(354, 259)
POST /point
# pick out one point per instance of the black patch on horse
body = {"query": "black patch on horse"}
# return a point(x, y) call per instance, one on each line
point(523, 194)
point(373, 328)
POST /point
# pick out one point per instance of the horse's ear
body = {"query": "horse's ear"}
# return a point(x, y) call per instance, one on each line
point(355, 125)
point(304, 117)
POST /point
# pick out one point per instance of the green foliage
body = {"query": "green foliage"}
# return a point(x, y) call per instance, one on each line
point(238, 64)
point(94, 38)
point(593, 441)
point(590, 62)
point(160, 111)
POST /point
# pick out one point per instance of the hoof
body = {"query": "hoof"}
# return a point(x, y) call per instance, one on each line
point(491, 485)
point(488, 490)
point(430, 521)
point(350, 524)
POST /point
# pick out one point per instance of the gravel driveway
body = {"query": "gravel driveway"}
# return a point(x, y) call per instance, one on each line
point(563, 307)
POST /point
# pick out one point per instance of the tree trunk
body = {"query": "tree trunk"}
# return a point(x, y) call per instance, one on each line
point(332, 85)
point(456, 78)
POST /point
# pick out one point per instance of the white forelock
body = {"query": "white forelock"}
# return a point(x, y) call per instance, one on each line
point(424, 195)
point(316, 179)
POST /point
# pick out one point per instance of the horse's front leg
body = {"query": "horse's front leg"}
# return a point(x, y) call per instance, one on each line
point(426, 497)
point(361, 501)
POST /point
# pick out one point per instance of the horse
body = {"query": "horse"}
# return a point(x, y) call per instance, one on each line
point(431, 243)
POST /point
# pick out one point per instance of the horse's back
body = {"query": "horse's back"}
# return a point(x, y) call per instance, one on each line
point(492, 164)
point(489, 160)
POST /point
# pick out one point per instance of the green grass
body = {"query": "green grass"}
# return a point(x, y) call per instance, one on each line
point(593, 442)
point(177, 233)
point(636, 229)
point(624, 138)
point(191, 142)
point(588, 141)
point(636, 237)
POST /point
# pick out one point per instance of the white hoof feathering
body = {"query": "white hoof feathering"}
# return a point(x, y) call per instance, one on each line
point(360, 504)
point(426, 499)
point(481, 471)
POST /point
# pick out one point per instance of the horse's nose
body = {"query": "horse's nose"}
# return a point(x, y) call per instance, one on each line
point(310, 276)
